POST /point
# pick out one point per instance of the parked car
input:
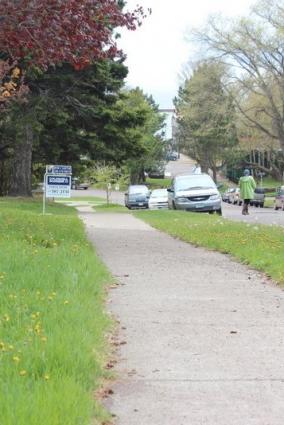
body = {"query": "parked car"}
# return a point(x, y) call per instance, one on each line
point(225, 196)
point(158, 199)
point(77, 185)
point(172, 156)
point(157, 172)
point(137, 196)
point(234, 196)
point(279, 198)
point(194, 192)
point(259, 197)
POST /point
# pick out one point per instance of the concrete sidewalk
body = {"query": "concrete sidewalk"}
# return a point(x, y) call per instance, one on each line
point(205, 335)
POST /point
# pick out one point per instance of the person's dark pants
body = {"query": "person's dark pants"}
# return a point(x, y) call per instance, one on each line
point(245, 206)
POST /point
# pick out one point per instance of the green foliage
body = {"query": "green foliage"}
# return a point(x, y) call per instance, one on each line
point(259, 246)
point(106, 177)
point(252, 48)
point(206, 117)
point(147, 132)
point(52, 320)
point(158, 183)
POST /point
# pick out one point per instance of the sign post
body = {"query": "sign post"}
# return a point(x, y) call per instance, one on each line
point(57, 183)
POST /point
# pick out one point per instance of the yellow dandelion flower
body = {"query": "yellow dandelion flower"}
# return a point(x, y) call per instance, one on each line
point(44, 338)
point(46, 377)
point(16, 359)
point(53, 294)
point(6, 317)
point(23, 372)
point(66, 302)
point(2, 345)
point(11, 347)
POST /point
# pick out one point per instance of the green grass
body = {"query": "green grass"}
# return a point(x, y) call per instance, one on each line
point(94, 199)
point(269, 202)
point(269, 182)
point(259, 246)
point(113, 208)
point(52, 322)
point(158, 183)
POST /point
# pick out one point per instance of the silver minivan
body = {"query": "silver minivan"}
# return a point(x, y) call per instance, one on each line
point(194, 192)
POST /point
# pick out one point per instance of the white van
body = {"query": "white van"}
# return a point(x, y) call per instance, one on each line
point(194, 192)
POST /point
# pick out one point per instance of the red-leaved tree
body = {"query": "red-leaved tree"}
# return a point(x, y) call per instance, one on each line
point(45, 33)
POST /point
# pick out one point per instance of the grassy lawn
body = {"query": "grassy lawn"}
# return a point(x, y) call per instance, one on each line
point(269, 202)
point(114, 208)
point(269, 182)
point(158, 183)
point(52, 322)
point(259, 246)
point(90, 199)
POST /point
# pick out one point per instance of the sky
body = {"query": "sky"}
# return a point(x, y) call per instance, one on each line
point(157, 53)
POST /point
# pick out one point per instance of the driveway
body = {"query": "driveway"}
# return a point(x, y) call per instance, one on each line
point(200, 336)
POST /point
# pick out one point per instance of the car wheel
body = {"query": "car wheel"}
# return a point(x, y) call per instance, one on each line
point(261, 205)
point(174, 206)
point(219, 212)
point(276, 208)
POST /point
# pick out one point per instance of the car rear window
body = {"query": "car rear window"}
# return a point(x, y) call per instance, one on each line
point(138, 189)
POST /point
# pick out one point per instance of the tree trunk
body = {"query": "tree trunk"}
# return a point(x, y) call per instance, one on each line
point(21, 175)
point(214, 171)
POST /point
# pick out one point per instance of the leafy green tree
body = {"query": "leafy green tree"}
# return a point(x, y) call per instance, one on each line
point(148, 134)
point(79, 116)
point(105, 176)
point(46, 34)
point(253, 51)
point(206, 117)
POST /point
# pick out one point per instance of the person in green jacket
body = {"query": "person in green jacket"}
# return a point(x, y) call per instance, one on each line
point(247, 186)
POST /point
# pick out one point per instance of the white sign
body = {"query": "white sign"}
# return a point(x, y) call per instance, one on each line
point(59, 169)
point(57, 186)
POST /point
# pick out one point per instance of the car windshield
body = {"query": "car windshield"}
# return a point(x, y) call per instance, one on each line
point(195, 182)
point(159, 193)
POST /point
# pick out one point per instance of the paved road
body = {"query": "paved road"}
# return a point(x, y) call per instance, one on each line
point(201, 336)
point(181, 166)
point(256, 215)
